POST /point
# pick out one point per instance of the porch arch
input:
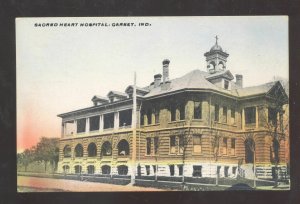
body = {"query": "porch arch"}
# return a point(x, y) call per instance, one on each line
point(106, 149)
point(78, 150)
point(92, 150)
point(123, 147)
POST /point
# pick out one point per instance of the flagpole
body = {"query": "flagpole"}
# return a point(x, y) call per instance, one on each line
point(134, 133)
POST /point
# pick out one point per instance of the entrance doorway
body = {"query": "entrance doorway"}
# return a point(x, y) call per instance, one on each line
point(249, 150)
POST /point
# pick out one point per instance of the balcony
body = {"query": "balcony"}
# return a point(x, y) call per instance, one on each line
point(178, 123)
point(250, 125)
point(198, 122)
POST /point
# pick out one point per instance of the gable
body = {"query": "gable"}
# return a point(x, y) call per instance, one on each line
point(278, 93)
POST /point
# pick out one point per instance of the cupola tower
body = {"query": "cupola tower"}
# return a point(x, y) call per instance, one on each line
point(216, 58)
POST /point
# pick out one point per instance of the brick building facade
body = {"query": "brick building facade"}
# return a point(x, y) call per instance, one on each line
point(199, 125)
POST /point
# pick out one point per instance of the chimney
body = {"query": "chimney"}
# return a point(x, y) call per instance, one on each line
point(157, 80)
point(239, 80)
point(166, 63)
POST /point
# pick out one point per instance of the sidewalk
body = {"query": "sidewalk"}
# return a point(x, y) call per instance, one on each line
point(44, 184)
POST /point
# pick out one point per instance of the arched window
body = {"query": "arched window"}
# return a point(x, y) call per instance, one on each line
point(67, 151)
point(105, 169)
point(78, 169)
point(212, 65)
point(66, 169)
point(106, 149)
point(249, 150)
point(91, 169)
point(122, 170)
point(79, 151)
point(123, 147)
point(221, 65)
point(92, 150)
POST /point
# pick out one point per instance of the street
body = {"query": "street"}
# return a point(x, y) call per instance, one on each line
point(49, 184)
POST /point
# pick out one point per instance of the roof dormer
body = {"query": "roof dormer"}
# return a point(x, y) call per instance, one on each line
point(221, 79)
point(139, 91)
point(99, 100)
point(116, 96)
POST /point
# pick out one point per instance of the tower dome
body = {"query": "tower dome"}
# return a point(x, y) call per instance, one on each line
point(216, 47)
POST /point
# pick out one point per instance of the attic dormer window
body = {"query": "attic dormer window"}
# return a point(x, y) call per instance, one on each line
point(226, 84)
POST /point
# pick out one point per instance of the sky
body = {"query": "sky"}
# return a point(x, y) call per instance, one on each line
point(60, 68)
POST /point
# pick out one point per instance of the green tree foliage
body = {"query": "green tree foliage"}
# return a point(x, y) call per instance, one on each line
point(26, 157)
point(47, 151)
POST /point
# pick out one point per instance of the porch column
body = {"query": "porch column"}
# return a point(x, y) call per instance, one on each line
point(87, 125)
point(243, 119)
point(116, 121)
point(75, 128)
point(62, 129)
point(256, 117)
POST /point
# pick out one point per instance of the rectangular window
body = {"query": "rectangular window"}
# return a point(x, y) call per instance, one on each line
point(197, 110)
point(148, 141)
point(232, 146)
point(226, 171)
point(197, 171)
point(125, 118)
point(108, 120)
point(226, 84)
point(234, 170)
point(171, 170)
point(197, 143)
point(182, 112)
point(142, 118)
point(281, 121)
point(250, 115)
point(232, 115)
point(81, 125)
point(272, 116)
point(149, 116)
point(217, 113)
point(218, 170)
point(180, 170)
point(154, 168)
point(94, 123)
point(156, 143)
point(156, 113)
point(224, 114)
point(172, 144)
point(173, 112)
point(181, 144)
point(224, 145)
point(147, 170)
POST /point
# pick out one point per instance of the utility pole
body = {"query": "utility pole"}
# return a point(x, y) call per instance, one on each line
point(133, 165)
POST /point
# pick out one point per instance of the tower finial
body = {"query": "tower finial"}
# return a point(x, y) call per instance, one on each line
point(216, 39)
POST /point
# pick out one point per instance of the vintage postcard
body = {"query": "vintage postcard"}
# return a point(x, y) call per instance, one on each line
point(152, 104)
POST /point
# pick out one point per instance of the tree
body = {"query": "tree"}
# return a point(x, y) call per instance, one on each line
point(184, 140)
point(26, 157)
point(157, 145)
point(216, 136)
point(47, 151)
point(276, 125)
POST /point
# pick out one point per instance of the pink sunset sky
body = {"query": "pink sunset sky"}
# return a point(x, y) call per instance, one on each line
point(59, 69)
